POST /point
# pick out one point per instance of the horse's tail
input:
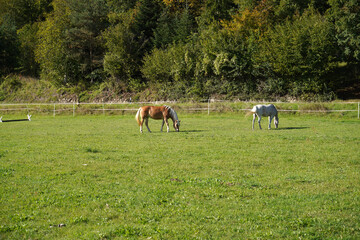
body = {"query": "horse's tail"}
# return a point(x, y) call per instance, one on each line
point(138, 116)
point(251, 112)
point(248, 113)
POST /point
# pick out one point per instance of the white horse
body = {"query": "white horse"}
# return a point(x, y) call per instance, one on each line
point(265, 111)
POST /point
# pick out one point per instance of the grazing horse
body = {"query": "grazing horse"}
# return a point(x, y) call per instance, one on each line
point(265, 111)
point(162, 112)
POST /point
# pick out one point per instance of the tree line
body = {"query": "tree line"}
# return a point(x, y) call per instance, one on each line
point(173, 49)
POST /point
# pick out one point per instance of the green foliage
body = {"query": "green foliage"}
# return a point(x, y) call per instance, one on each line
point(346, 15)
point(215, 10)
point(302, 52)
point(225, 61)
point(173, 29)
point(18, 29)
point(28, 43)
point(184, 26)
point(164, 32)
point(156, 66)
point(51, 50)
point(119, 60)
point(121, 6)
point(9, 48)
point(69, 47)
point(304, 49)
point(24, 11)
point(145, 21)
point(82, 37)
point(170, 79)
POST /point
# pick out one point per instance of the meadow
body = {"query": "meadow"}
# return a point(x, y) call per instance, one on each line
point(97, 177)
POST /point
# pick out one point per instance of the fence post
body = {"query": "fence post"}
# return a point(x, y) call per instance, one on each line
point(54, 110)
point(209, 106)
point(73, 109)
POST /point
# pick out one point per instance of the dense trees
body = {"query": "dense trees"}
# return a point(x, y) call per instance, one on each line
point(70, 48)
point(301, 52)
point(8, 46)
point(165, 49)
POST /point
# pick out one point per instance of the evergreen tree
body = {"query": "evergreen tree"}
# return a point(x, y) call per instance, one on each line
point(164, 32)
point(51, 50)
point(87, 21)
point(183, 26)
point(172, 28)
point(28, 43)
point(24, 16)
point(25, 11)
point(9, 50)
point(121, 49)
point(145, 22)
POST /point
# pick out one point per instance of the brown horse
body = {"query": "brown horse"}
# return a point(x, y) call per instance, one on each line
point(163, 112)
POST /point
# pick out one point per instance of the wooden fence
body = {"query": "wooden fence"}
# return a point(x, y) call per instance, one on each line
point(206, 106)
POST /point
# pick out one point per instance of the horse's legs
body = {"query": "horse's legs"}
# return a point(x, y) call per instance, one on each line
point(167, 124)
point(146, 123)
point(162, 125)
point(254, 117)
point(141, 124)
point(270, 119)
point(259, 117)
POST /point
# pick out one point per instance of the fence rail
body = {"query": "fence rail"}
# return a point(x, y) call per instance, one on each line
point(208, 106)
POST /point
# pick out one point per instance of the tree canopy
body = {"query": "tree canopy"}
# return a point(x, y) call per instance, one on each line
point(165, 49)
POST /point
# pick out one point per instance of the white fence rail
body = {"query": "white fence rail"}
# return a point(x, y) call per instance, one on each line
point(208, 106)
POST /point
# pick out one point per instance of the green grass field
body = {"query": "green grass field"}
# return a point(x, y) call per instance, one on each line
point(216, 179)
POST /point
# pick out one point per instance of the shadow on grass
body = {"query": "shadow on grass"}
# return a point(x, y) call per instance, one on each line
point(15, 120)
point(192, 131)
point(181, 131)
point(292, 128)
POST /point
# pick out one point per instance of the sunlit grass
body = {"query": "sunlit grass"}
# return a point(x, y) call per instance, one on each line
point(216, 179)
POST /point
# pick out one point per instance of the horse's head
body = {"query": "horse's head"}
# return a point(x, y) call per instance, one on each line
point(177, 125)
point(276, 121)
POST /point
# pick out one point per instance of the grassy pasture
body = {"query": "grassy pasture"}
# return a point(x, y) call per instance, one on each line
point(216, 179)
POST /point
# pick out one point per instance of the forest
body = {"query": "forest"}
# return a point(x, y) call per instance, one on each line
point(183, 49)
